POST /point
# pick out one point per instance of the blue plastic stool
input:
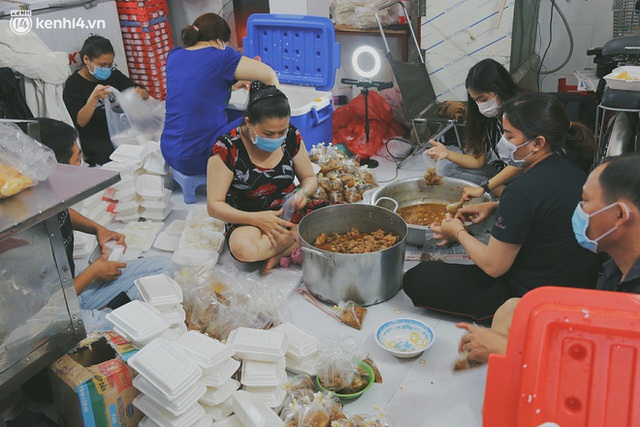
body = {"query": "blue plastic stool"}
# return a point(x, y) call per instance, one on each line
point(188, 184)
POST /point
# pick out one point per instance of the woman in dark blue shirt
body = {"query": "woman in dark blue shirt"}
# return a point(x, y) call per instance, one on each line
point(199, 81)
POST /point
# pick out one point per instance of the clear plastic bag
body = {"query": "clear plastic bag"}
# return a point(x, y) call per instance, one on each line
point(338, 361)
point(23, 160)
point(351, 313)
point(359, 13)
point(131, 119)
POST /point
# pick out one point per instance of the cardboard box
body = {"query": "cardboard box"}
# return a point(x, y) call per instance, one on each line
point(92, 386)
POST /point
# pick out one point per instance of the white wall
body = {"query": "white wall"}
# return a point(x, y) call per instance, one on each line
point(591, 22)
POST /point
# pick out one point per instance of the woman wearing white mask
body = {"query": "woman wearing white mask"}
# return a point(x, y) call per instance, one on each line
point(488, 85)
point(532, 242)
point(250, 174)
point(84, 94)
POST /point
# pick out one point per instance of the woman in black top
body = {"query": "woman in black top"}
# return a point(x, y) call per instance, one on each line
point(84, 94)
point(532, 243)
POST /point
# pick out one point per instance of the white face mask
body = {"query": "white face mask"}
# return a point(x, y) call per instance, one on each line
point(489, 108)
point(506, 150)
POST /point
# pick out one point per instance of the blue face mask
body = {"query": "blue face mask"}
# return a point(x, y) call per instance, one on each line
point(580, 223)
point(101, 73)
point(267, 144)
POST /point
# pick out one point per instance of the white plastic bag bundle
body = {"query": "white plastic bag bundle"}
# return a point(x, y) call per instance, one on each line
point(131, 119)
point(359, 13)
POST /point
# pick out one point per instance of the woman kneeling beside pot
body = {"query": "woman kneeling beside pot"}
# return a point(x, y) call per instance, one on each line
point(532, 242)
point(250, 173)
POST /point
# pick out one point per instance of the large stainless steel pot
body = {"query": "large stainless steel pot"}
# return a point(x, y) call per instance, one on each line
point(367, 278)
point(413, 191)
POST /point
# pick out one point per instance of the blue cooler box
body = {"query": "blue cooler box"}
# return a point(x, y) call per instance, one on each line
point(303, 52)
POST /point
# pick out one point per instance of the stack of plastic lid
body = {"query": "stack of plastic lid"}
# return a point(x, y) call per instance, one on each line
point(252, 411)
point(201, 241)
point(302, 350)
point(263, 362)
point(168, 382)
point(218, 367)
point(140, 323)
point(154, 198)
point(163, 293)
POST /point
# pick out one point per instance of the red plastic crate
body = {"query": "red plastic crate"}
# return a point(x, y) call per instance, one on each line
point(127, 11)
point(161, 26)
point(572, 359)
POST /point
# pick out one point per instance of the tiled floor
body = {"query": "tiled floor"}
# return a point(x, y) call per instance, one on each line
point(422, 391)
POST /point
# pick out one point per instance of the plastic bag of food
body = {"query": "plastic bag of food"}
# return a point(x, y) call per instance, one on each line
point(338, 361)
point(314, 415)
point(131, 119)
point(364, 420)
point(330, 161)
point(23, 160)
point(317, 151)
point(320, 194)
point(351, 313)
point(352, 195)
point(432, 176)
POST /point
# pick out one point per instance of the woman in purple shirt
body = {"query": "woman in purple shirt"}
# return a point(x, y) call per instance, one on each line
point(199, 81)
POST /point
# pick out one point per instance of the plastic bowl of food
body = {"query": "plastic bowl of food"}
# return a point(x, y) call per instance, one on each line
point(405, 337)
point(371, 376)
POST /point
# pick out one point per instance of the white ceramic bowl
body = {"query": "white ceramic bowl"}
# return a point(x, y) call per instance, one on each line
point(405, 337)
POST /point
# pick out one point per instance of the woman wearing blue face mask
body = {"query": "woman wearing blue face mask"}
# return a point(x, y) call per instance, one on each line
point(84, 94)
point(250, 173)
point(532, 242)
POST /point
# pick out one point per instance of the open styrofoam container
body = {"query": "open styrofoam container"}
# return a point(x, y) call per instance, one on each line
point(150, 187)
point(301, 343)
point(221, 411)
point(177, 406)
point(258, 344)
point(206, 351)
point(272, 396)
point(212, 224)
point(138, 320)
point(167, 242)
point(145, 226)
point(176, 227)
point(164, 418)
point(306, 366)
point(167, 367)
point(201, 240)
point(232, 421)
point(194, 258)
point(263, 374)
point(623, 84)
point(252, 410)
point(138, 240)
point(217, 376)
point(158, 205)
point(199, 213)
point(217, 396)
point(159, 290)
point(157, 214)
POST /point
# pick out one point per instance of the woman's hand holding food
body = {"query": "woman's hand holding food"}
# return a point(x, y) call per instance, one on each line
point(105, 270)
point(438, 151)
point(274, 227)
point(470, 193)
point(480, 342)
point(476, 213)
point(448, 230)
point(99, 92)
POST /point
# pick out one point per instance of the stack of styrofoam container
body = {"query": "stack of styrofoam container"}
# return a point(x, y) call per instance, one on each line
point(168, 382)
point(154, 198)
point(218, 367)
point(163, 293)
point(202, 239)
point(302, 351)
point(140, 323)
point(96, 208)
point(263, 362)
point(252, 411)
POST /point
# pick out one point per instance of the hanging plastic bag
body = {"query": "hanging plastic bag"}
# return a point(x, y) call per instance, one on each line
point(120, 130)
point(23, 160)
point(131, 119)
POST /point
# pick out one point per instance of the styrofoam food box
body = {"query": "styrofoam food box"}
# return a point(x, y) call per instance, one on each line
point(138, 320)
point(206, 351)
point(232, 421)
point(306, 366)
point(167, 367)
point(201, 240)
point(252, 410)
point(164, 418)
point(175, 316)
point(176, 227)
point(217, 396)
point(158, 205)
point(167, 242)
point(272, 396)
point(217, 376)
point(127, 195)
point(263, 374)
point(622, 84)
point(127, 153)
point(159, 290)
point(138, 240)
point(177, 406)
point(212, 224)
point(195, 257)
point(258, 344)
point(126, 208)
point(150, 187)
point(124, 169)
point(301, 343)
point(199, 213)
point(128, 218)
point(221, 411)
point(155, 164)
point(205, 421)
point(155, 214)
point(145, 226)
